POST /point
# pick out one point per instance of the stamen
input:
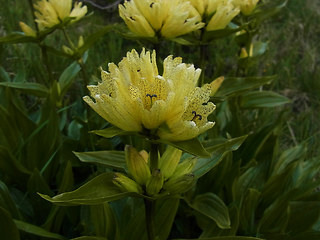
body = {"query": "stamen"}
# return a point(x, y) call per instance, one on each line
point(196, 116)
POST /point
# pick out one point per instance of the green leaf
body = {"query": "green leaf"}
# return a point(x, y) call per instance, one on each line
point(166, 211)
point(209, 36)
point(35, 89)
point(192, 146)
point(35, 230)
point(6, 201)
point(218, 151)
point(276, 216)
point(213, 207)
point(89, 238)
point(8, 229)
point(17, 37)
point(210, 229)
point(11, 167)
point(110, 132)
point(98, 190)
point(262, 99)
point(303, 215)
point(224, 238)
point(67, 77)
point(248, 208)
point(114, 159)
point(288, 156)
point(235, 86)
point(269, 10)
point(103, 220)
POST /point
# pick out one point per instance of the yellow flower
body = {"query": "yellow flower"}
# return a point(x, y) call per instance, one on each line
point(246, 6)
point(169, 18)
point(216, 13)
point(53, 12)
point(134, 97)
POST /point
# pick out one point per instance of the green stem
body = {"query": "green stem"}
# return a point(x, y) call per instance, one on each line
point(44, 54)
point(150, 213)
point(154, 156)
point(68, 38)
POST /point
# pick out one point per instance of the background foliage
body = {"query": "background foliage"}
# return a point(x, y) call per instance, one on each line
point(266, 189)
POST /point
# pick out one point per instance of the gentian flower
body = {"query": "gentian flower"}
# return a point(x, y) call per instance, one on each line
point(135, 97)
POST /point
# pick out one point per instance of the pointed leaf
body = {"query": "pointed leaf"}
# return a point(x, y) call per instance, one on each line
point(67, 77)
point(213, 207)
point(35, 230)
point(114, 159)
point(235, 86)
point(35, 89)
point(262, 99)
point(225, 238)
point(98, 190)
point(17, 37)
point(6, 202)
point(89, 238)
point(8, 229)
point(110, 132)
point(204, 165)
point(166, 210)
point(192, 146)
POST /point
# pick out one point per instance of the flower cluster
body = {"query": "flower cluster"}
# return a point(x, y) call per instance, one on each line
point(172, 18)
point(134, 97)
point(246, 6)
point(50, 13)
point(216, 13)
point(167, 18)
point(172, 176)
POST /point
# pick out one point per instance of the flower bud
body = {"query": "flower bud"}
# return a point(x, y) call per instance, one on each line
point(169, 161)
point(155, 182)
point(243, 53)
point(248, 6)
point(28, 31)
point(145, 155)
point(185, 167)
point(80, 42)
point(215, 85)
point(67, 50)
point(137, 165)
point(179, 184)
point(126, 184)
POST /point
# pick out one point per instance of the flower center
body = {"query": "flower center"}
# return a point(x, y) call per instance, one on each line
point(151, 96)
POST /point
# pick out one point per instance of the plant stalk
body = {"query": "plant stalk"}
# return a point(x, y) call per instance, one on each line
point(154, 158)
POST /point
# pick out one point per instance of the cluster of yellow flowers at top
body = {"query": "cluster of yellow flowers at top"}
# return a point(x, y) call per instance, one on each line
point(172, 18)
point(53, 12)
point(134, 97)
point(169, 18)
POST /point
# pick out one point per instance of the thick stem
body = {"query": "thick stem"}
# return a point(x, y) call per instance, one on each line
point(154, 157)
point(44, 54)
point(150, 214)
